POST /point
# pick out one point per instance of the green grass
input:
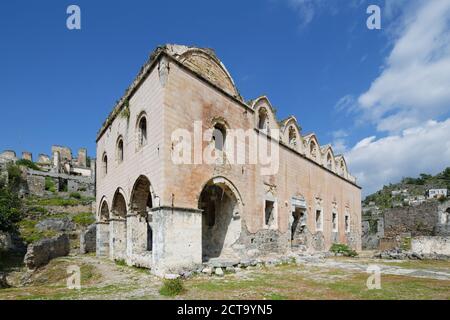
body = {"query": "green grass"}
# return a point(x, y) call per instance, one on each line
point(275, 296)
point(75, 195)
point(120, 262)
point(84, 219)
point(172, 288)
point(28, 164)
point(30, 234)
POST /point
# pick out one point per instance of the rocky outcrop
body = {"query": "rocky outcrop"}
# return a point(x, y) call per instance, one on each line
point(58, 225)
point(3, 281)
point(41, 252)
point(5, 241)
point(88, 239)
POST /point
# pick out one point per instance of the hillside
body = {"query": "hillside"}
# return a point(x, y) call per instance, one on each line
point(408, 188)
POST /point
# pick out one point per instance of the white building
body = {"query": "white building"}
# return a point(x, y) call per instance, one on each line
point(436, 193)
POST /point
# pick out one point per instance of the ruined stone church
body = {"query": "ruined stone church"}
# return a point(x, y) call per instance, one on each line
point(156, 213)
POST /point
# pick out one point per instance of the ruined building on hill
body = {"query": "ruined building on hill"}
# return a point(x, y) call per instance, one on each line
point(62, 171)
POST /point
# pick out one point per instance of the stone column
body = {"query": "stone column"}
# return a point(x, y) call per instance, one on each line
point(118, 238)
point(102, 242)
point(177, 239)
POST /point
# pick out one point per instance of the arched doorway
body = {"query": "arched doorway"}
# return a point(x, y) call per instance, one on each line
point(140, 204)
point(221, 225)
point(103, 230)
point(119, 226)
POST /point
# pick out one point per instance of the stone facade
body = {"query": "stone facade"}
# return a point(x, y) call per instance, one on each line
point(156, 212)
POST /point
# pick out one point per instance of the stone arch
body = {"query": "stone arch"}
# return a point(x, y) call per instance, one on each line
point(205, 63)
point(265, 119)
point(341, 166)
point(119, 226)
point(119, 204)
point(222, 204)
point(291, 134)
point(328, 158)
point(103, 211)
point(141, 195)
point(141, 201)
point(103, 231)
point(313, 148)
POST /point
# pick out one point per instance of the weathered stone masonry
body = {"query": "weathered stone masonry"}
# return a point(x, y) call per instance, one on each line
point(155, 213)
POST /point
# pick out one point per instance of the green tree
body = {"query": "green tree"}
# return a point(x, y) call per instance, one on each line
point(10, 209)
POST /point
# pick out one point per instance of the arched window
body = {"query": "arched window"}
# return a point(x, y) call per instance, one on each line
point(142, 131)
point(105, 163)
point(313, 149)
point(263, 120)
point(329, 162)
point(219, 136)
point(292, 136)
point(342, 168)
point(119, 150)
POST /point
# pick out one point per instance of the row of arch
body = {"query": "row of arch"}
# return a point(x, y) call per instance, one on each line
point(290, 135)
point(121, 225)
point(140, 201)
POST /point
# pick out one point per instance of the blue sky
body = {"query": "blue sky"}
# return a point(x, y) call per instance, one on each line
point(314, 59)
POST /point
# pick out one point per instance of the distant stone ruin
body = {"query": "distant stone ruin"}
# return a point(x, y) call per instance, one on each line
point(62, 171)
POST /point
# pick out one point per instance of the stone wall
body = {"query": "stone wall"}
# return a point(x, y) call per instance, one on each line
point(431, 245)
point(419, 220)
point(372, 231)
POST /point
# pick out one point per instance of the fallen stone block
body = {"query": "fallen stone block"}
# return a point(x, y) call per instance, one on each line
point(88, 239)
point(41, 252)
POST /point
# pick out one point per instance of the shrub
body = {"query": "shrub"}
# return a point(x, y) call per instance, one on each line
point(84, 219)
point(340, 248)
point(50, 185)
point(75, 195)
point(120, 262)
point(28, 164)
point(58, 202)
point(29, 233)
point(172, 287)
point(10, 209)
point(14, 176)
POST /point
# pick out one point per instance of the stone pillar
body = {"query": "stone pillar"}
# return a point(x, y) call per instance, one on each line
point(137, 251)
point(82, 157)
point(118, 238)
point(177, 239)
point(102, 246)
point(27, 156)
point(55, 162)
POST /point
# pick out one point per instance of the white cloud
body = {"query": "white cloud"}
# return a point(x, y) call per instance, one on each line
point(339, 141)
point(306, 9)
point(414, 85)
point(424, 148)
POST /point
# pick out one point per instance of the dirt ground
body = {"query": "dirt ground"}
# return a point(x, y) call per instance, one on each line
point(331, 278)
